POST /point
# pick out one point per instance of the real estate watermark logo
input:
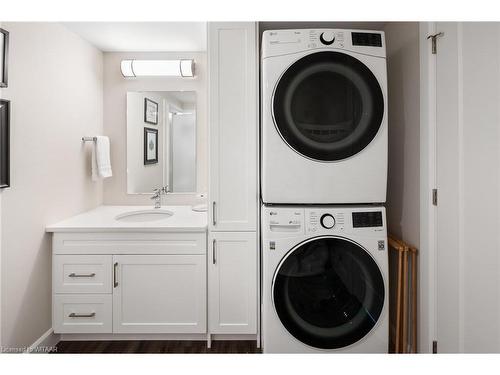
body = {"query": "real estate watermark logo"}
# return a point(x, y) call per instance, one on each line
point(27, 349)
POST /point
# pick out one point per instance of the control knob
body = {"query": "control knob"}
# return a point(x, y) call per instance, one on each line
point(327, 38)
point(327, 221)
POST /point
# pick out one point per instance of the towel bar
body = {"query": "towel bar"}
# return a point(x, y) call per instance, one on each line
point(89, 139)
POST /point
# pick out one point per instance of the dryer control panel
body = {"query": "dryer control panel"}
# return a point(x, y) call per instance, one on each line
point(280, 42)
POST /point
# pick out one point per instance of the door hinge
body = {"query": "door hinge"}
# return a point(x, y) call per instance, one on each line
point(433, 41)
point(434, 347)
point(435, 197)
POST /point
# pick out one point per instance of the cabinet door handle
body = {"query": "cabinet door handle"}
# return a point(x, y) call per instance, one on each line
point(82, 274)
point(214, 217)
point(214, 249)
point(89, 315)
point(115, 281)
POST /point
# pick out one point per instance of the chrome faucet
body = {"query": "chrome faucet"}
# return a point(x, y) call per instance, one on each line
point(157, 195)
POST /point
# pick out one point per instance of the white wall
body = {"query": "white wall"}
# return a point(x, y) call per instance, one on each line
point(142, 178)
point(55, 88)
point(403, 185)
point(402, 39)
point(115, 90)
point(1, 273)
point(1, 305)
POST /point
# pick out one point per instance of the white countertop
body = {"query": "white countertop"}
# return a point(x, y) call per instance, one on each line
point(102, 219)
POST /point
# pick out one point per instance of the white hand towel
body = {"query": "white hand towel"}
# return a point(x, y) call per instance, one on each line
point(101, 160)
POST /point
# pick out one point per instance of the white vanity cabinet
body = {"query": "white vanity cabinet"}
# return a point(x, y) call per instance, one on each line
point(126, 282)
point(233, 179)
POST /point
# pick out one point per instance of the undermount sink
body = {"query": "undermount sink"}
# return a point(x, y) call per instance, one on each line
point(144, 215)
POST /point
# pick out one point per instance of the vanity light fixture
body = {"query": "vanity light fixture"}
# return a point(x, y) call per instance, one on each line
point(157, 68)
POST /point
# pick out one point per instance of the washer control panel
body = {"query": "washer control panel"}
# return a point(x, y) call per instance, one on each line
point(322, 220)
point(288, 221)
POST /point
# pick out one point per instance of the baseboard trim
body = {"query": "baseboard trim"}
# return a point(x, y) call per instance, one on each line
point(151, 336)
point(45, 342)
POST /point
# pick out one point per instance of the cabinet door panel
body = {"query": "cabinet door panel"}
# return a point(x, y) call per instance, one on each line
point(233, 127)
point(159, 294)
point(233, 283)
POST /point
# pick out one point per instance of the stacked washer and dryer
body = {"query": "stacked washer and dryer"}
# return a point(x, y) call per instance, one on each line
point(323, 186)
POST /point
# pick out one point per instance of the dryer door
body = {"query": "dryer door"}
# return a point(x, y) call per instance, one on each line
point(328, 106)
point(328, 292)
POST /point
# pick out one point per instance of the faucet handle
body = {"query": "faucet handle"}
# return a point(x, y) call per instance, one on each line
point(164, 189)
point(156, 193)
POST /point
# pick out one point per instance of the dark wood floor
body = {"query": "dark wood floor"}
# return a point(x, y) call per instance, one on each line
point(142, 347)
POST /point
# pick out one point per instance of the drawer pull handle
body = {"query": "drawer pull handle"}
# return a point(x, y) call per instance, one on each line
point(214, 251)
point(82, 274)
point(214, 217)
point(115, 281)
point(75, 315)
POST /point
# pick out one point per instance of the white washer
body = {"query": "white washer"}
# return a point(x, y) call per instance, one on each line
point(325, 280)
point(324, 116)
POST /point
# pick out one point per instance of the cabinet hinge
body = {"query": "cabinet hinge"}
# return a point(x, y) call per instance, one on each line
point(433, 41)
point(434, 347)
point(435, 197)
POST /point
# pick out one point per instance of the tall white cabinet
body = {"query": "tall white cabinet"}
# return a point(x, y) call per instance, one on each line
point(233, 178)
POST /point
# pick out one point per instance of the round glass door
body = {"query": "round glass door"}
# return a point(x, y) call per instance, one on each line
point(328, 106)
point(328, 292)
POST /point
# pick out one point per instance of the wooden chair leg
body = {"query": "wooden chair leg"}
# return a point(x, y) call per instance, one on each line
point(414, 299)
point(405, 301)
point(397, 348)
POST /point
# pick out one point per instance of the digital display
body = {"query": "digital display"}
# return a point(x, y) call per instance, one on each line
point(367, 219)
point(367, 39)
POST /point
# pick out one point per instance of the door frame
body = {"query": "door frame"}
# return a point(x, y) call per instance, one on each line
point(428, 212)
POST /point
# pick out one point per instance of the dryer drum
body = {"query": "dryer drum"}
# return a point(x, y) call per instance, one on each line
point(328, 293)
point(328, 106)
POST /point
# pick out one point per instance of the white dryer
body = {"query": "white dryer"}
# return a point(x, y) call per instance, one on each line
point(324, 116)
point(325, 280)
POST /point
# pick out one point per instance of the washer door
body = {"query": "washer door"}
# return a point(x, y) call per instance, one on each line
point(328, 106)
point(328, 292)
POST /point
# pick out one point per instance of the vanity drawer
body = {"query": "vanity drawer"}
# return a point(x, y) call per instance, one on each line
point(175, 243)
point(82, 273)
point(82, 313)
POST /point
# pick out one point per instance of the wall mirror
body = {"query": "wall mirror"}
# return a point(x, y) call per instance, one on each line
point(161, 141)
